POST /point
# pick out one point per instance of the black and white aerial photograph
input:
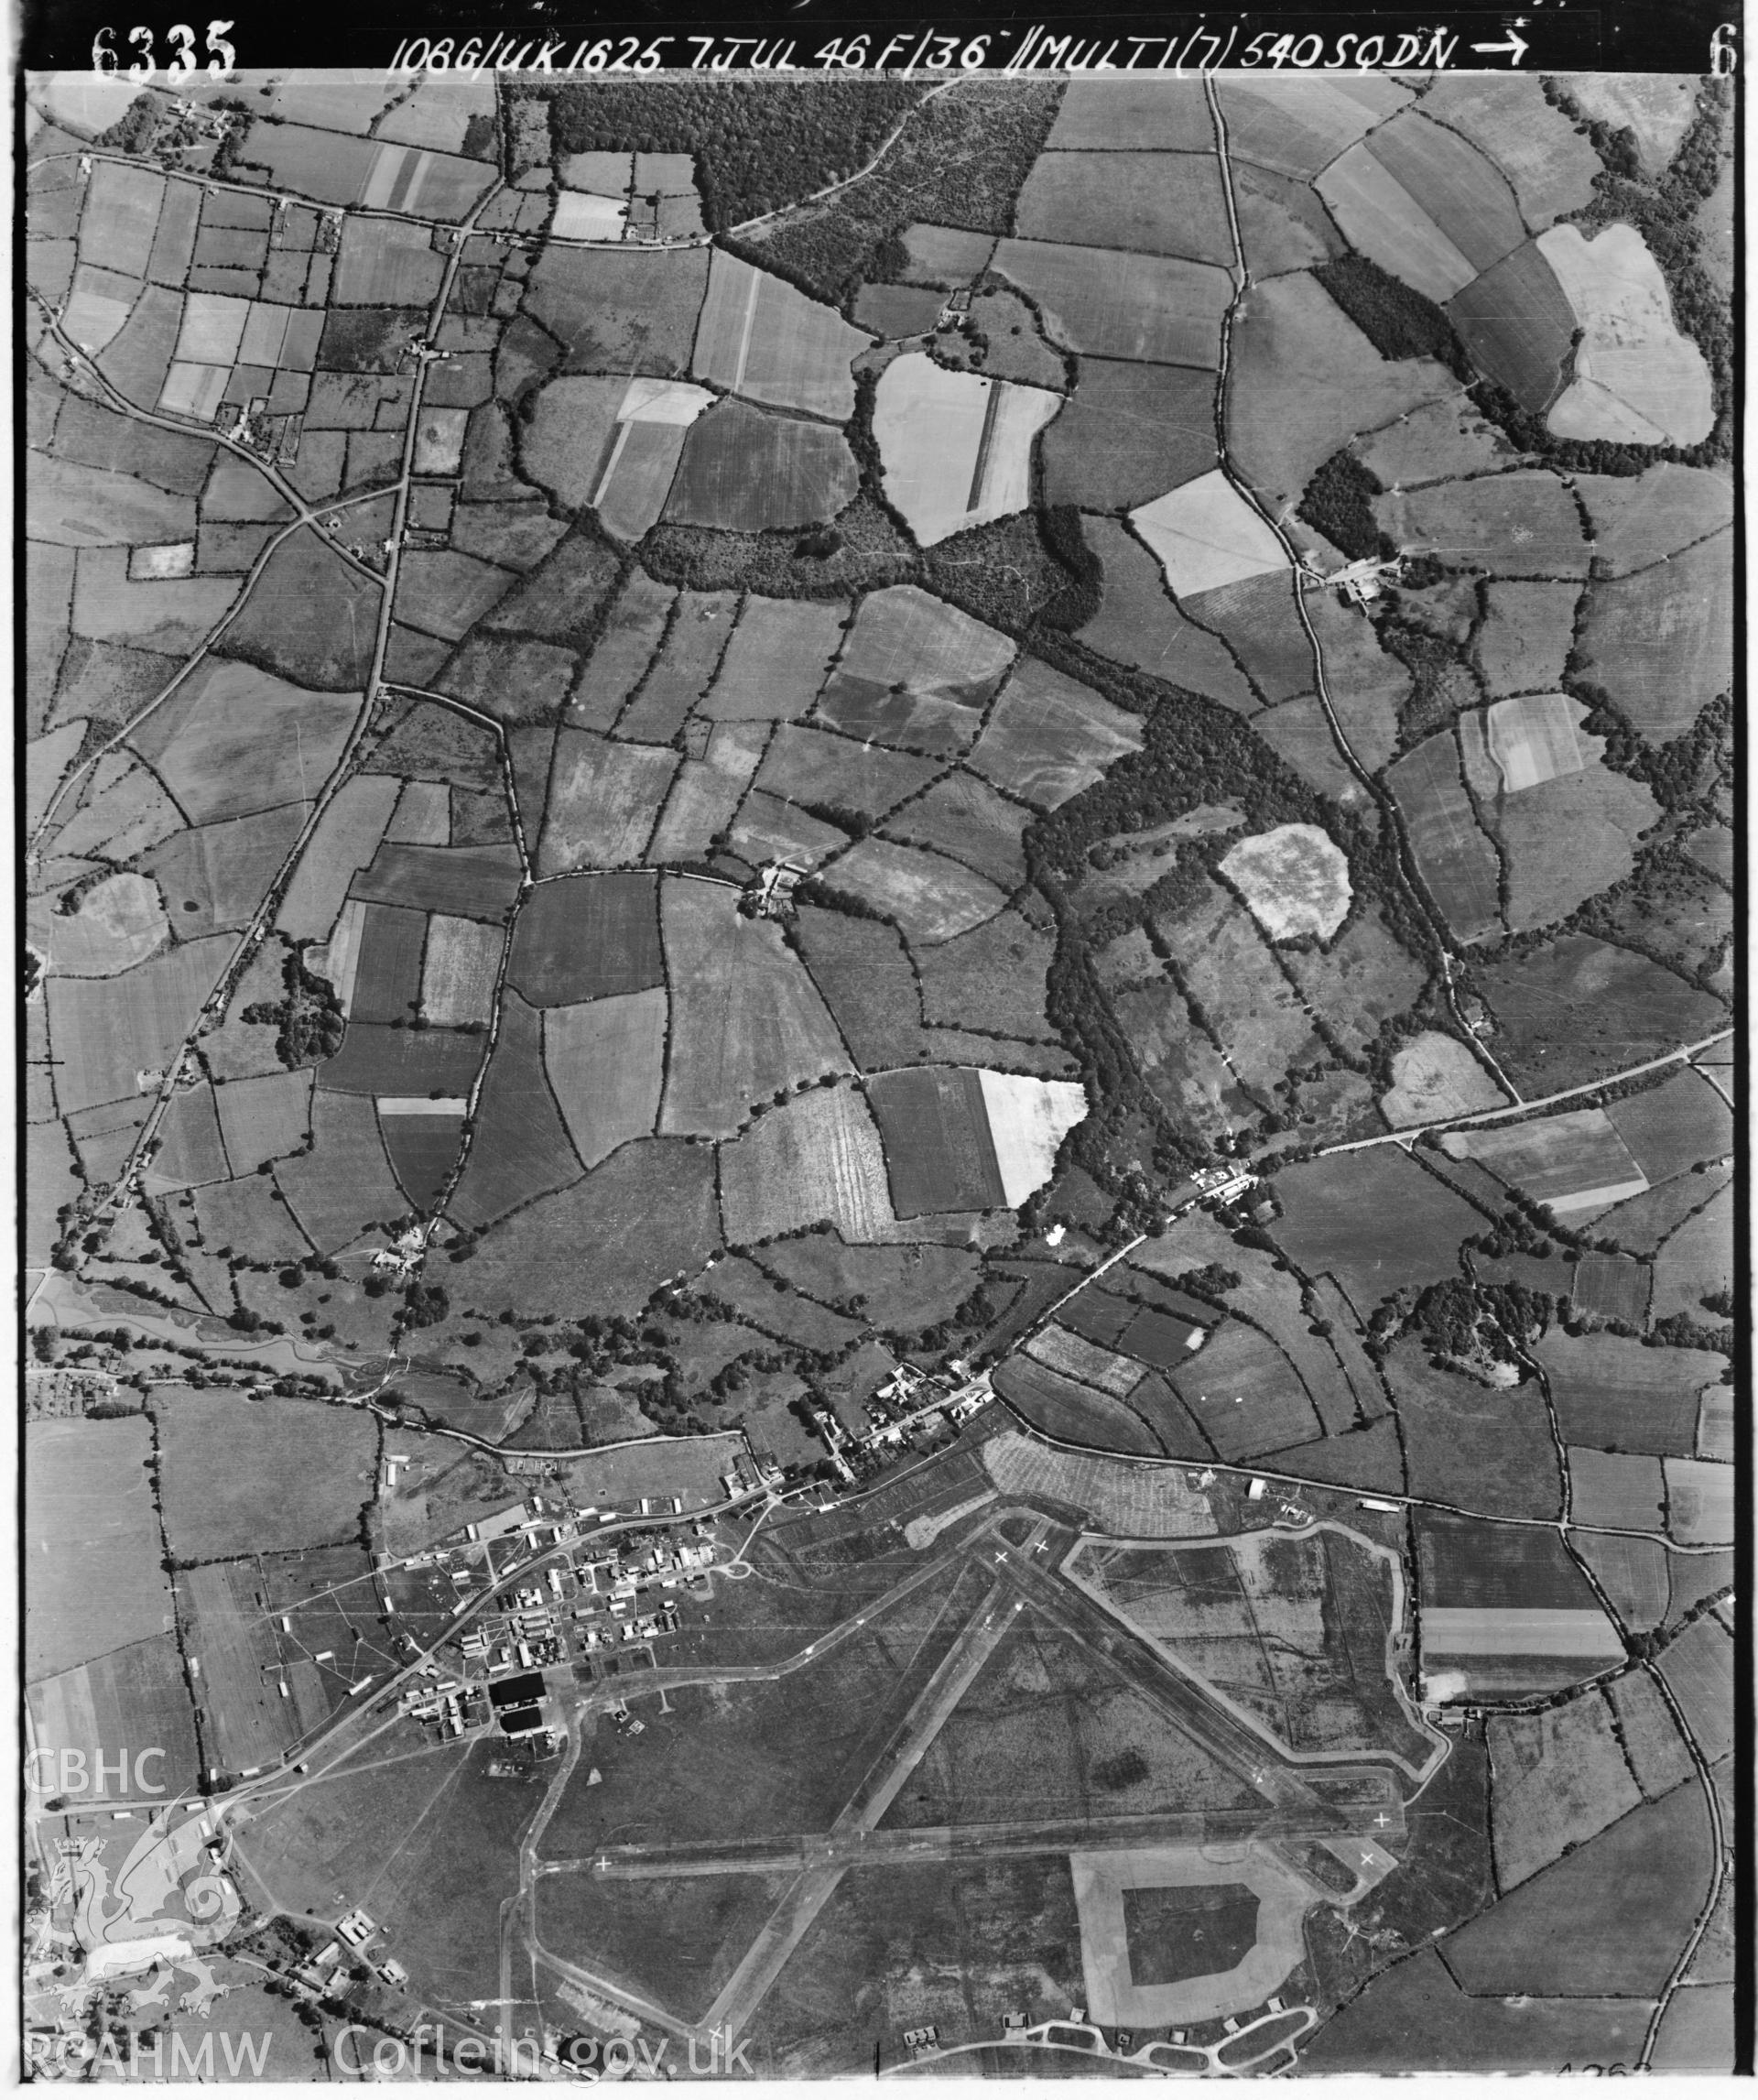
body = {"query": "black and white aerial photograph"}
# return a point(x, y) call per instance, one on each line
point(881, 1201)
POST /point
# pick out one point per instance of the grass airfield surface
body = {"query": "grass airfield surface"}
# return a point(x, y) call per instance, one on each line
point(824, 1725)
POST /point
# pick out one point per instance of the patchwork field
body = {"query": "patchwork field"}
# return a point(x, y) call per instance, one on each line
point(956, 448)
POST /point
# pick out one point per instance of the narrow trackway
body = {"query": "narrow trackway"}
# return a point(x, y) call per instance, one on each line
point(1242, 487)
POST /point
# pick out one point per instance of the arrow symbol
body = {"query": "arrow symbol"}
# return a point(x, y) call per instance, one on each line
point(1515, 47)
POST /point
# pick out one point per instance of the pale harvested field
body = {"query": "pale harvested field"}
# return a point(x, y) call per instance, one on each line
point(1699, 1500)
point(956, 447)
point(1028, 1119)
point(1632, 363)
point(1127, 1501)
point(1532, 739)
point(91, 1533)
point(1435, 1075)
point(605, 1062)
point(1076, 1357)
point(1294, 880)
point(458, 969)
point(1206, 534)
point(818, 1157)
point(1507, 1630)
point(119, 923)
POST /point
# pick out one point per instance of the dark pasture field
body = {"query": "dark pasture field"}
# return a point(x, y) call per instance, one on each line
point(256, 1476)
point(310, 618)
point(938, 1146)
point(605, 1243)
point(1139, 622)
point(1245, 1393)
point(1609, 1917)
point(1466, 1566)
point(430, 743)
point(816, 768)
point(864, 974)
point(1160, 203)
point(1071, 1412)
point(1472, 1445)
point(620, 311)
point(1374, 1220)
point(1611, 1287)
point(1644, 1220)
point(1622, 1396)
point(241, 1717)
point(1660, 641)
point(1414, 2017)
point(423, 1150)
point(520, 1149)
point(1128, 433)
point(675, 1939)
point(1632, 1572)
point(1699, 1668)
point(1456, 861)
point(471, 882)
point(1465, 195)
point(1673, 1125)
point(1577, 1007)
point(1517, 326)
point(438, 1063)
point(631, 633)
point(743, 471)
point(245, 1216)
point(388, 982)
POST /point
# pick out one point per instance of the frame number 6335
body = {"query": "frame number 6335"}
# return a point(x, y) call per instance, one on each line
point(181, 38)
